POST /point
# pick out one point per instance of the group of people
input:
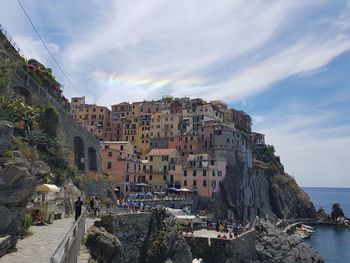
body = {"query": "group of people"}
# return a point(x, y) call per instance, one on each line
point(94, 207)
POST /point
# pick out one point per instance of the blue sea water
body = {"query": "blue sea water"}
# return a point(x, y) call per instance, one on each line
point(333, 243)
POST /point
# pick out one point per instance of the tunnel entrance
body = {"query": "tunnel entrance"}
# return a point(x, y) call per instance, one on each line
point(79, 155)
point(92, 159)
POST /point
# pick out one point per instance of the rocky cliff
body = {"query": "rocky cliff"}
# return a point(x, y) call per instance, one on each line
point(273, 245)
point(263, 190)
point(142, 237)
point(18, 180)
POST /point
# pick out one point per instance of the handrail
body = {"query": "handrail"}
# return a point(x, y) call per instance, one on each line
point(68, 250)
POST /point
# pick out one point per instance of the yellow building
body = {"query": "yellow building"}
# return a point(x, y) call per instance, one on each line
point(160, 167)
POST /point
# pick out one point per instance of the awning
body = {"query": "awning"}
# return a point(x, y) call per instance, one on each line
point(185, 190)
point(47, 188)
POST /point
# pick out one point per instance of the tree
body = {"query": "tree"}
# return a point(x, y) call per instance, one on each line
point(49, 121)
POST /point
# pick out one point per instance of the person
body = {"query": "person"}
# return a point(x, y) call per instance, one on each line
point(38, 218)
point(78, 204)
point(97, 206)
point(91, 205)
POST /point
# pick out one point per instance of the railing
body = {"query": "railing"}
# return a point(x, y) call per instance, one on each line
point(68, 249)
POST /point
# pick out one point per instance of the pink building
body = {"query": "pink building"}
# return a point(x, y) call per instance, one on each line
point(203, 174)
point(186, 144)
point(124, 168)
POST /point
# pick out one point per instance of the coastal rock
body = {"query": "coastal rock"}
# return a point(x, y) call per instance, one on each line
point(164, 242)
point(263, 190)
point(337, 211)
point(6, 135)
point(18, 180)
point(147, 237)
point(103, 246)
point(275, 246)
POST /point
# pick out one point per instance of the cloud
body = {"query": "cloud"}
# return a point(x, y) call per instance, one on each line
point(313, 151)
point(33, 48)
point(194, 40)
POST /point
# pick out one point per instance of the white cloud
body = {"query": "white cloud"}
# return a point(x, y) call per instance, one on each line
point(33, 48)
point(315, 153)
point(179, 41)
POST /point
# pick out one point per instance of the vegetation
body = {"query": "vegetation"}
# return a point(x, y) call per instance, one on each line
point(7, 154)
point(27, 222)
point(18, 111)
point(49, 121)
point(30, 152)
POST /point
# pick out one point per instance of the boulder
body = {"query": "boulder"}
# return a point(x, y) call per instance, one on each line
point(6, 135)
point(103, 246)
point(273, 245)
point(337, 211)
point(17, 184)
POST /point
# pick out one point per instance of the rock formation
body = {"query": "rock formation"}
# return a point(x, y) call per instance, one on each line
point(104, 247)
point(273, 245)
point(144, 237)
point(18, 180)
point(263, 190)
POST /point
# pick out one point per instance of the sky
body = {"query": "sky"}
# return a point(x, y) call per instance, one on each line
point(286, 63)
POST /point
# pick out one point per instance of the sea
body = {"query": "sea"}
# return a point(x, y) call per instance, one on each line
point(332, 243)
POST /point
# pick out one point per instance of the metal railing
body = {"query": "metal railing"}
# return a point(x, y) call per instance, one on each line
point(68, 249)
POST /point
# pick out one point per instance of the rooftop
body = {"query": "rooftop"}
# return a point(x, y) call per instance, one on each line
point(161, 151)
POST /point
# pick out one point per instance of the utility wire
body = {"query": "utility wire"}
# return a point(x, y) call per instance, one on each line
point(48, 50)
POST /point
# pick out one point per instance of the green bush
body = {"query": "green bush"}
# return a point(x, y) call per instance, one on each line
point(17, 110)
point(49, 121)
point(7, 154)
point(27, 222)
point(30, 152)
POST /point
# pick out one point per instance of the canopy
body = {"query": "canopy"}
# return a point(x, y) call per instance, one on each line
point(47, 188)
point(185, 190)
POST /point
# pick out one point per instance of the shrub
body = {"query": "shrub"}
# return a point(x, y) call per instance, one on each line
point(49, 121)
point(30, 152)
point(7, 154)
point(17, 110)
point(27, 222)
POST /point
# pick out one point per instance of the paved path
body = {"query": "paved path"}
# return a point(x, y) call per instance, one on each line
point(39, 247)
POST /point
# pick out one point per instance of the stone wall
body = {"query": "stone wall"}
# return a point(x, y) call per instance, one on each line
point(20, 83)
point(241, 249)
point(131, 230)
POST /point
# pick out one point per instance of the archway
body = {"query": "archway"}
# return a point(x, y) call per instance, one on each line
point(79, 155)
point(92, 159)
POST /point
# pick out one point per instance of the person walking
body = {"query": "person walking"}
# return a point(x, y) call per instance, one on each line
point(78, 205)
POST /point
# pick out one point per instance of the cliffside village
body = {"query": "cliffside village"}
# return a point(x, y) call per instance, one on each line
point(177, 143)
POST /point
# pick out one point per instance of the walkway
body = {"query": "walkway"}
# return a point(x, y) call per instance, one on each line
point(39, 247)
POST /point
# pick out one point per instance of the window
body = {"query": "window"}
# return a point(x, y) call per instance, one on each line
point(122, 147)
point(126, 178)
point(205, 183)
point(165, 158)
point(164, 177)
point(212, 162)
point(150, 177)
point(151, 168)
point(204, 172)
point(165, 168)
point(194, 183)
point(109, 165)
point(110, 154)
point(151, 158)
point(185, 172)
point(185, 182)
point(194, 173)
